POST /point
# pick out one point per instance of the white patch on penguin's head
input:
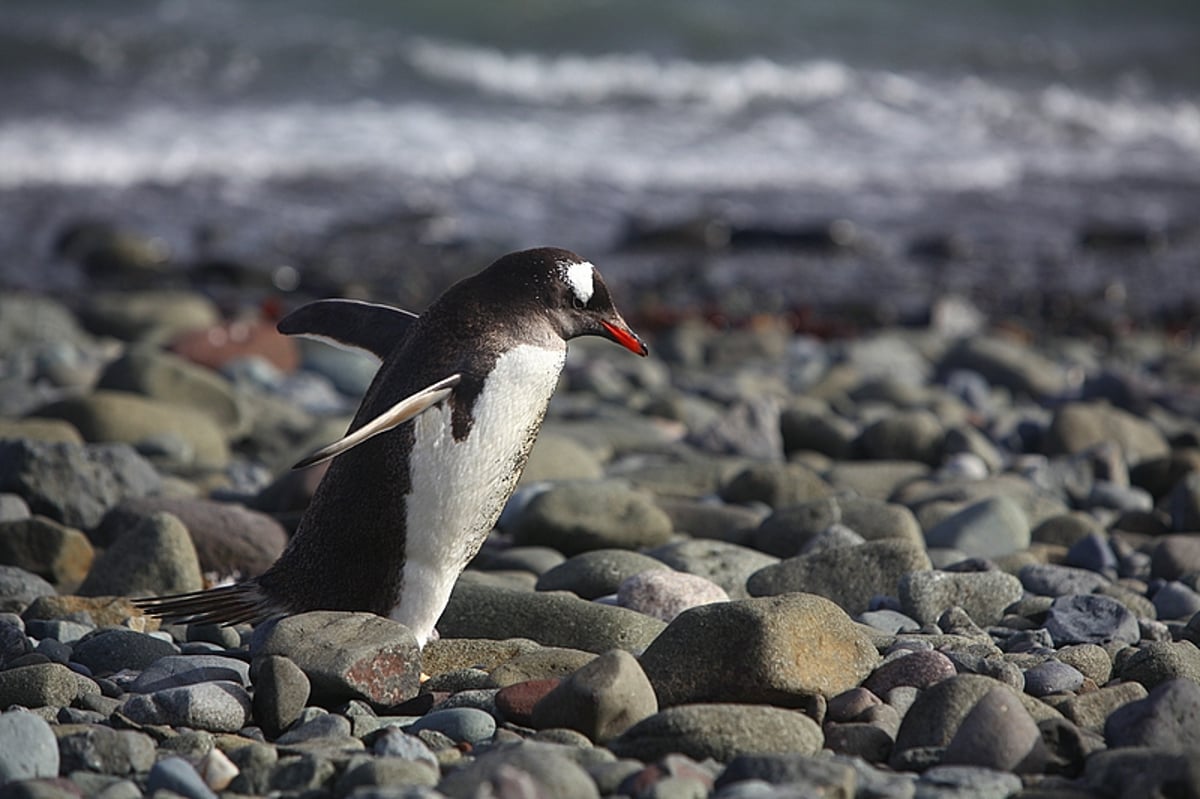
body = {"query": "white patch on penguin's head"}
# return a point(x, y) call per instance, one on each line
point(578, 275)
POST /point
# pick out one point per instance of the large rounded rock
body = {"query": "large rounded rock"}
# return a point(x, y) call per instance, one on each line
point(59, 553)
point(904, 435)
point(155, 315)
point(559, 457)
point(112, 649)
point(1091, 619)
point(168, 378)
point(72, 484)
point(38, 685)
point(728, 565)
point(850, 576)
point(596, 573)
point(600, 700)
point(578, 517)
point(347, 655)
point(1166, 719)
point(484, 611)
point(28, 748)
point(939, 711)
point(772, 650)
point(229, 538)
point(990, 528)
point(154, 557)
point(998, 733)
point(664, 594)
point(214, 706)
point(1078, 426)
point(1007, 363)
point(119, 416)
point(527, 769)
point(719, 731)
point(775, 484)
point(1161, 661)
point(926, 595)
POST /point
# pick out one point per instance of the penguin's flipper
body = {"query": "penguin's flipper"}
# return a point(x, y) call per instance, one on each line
point(398, 414)
point(350, 323)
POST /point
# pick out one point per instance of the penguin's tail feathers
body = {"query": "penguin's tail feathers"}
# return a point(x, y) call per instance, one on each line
point(226, 605)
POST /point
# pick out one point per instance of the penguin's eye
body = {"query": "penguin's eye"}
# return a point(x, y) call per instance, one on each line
point(577, 303)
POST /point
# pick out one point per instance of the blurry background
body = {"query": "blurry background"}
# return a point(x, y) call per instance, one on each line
point(856, 157)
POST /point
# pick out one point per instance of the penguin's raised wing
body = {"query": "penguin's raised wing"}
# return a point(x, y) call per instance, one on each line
point(366, 326)
point(398, 414)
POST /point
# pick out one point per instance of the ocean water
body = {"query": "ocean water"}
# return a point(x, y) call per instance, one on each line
point(1015, 125)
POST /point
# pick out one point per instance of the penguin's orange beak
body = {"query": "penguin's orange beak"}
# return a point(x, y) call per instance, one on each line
point(625, 337)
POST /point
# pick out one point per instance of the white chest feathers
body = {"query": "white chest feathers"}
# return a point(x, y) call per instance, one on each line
point(460, 487)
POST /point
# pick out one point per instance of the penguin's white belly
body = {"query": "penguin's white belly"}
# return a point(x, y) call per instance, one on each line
point(460, 487)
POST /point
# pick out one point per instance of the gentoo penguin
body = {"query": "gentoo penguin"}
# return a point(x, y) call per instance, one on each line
point(435, 449)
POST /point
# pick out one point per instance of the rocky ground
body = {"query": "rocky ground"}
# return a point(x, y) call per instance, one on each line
point(954, 560)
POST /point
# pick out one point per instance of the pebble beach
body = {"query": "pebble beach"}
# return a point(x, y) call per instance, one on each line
point(957, 558)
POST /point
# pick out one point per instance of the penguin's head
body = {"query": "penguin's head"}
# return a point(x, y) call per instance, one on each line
point(569, 292)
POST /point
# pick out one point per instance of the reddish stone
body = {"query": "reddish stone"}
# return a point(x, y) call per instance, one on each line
point(516, 701)
point(218, 345)
point(921, 669)
point(849, 705)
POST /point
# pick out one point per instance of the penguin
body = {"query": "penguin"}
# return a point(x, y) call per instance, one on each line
point(435, 449)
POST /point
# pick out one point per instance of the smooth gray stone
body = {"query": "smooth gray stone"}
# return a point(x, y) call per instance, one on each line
point(1091, 619)
point(460, 724)
point(173, 671)
point(110, 650)
point(560, 620)
point(990, 528)
point(726, 564)
point(1164, 720)
point(539, 769)
point(926, 595)
point(74, 484)
point(596, 573)
point(719, 731)
point(95, 747)
point(28, 747)
point(176, 775)
point(212, 706)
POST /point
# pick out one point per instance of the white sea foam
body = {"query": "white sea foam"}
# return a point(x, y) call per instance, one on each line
point(630, 122)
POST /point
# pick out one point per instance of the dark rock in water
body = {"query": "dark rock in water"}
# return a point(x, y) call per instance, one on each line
point(106, 250)
point(720, 731)
point(839, 234)
point(758, 650)
point(1120, 237)
point(941, 247)
point(75, 485)
point(347, 655)
point(481, 611)
point(702, 232)
point(155, 556)
point(229, 538)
